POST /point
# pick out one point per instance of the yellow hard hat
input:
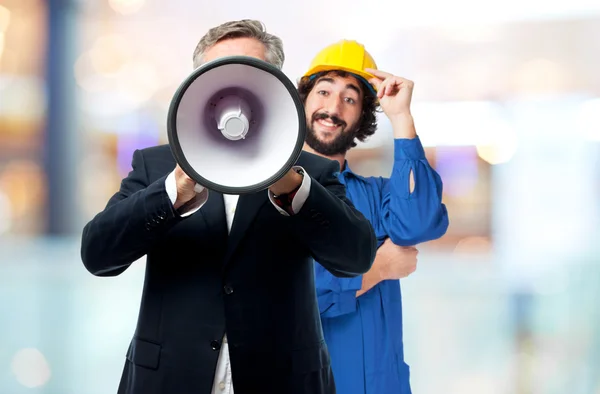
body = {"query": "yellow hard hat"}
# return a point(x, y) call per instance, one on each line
point(344, 55)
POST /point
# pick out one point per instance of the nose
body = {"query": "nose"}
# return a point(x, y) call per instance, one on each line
point(334, 105)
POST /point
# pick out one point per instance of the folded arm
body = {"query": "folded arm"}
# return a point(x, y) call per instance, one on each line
point(336, 296)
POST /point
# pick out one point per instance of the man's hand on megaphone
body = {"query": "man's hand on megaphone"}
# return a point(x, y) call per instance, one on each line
point(185, 187)
point(290, 181)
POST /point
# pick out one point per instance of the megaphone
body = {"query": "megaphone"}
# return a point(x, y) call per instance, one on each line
point(236, 125)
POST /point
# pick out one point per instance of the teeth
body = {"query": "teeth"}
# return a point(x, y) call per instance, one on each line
point(327, 123)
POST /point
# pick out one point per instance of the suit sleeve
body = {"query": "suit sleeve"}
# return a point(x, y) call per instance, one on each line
point(417, 217)
point(339, 237)
point(138, 214)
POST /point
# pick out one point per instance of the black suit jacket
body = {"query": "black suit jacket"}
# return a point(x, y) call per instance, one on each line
point(256, 283)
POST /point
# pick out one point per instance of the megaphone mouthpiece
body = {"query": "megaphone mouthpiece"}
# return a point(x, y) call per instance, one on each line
point(233, 115)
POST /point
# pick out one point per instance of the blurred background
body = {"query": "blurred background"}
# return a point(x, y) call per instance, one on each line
point(507, 102)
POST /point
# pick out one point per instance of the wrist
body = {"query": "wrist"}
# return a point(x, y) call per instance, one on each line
point(180, 202)
point(403, 116)
point(370, 279)
point(403, 125)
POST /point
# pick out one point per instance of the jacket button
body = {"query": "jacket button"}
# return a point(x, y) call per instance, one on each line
point(215, 345)
point(228, 289)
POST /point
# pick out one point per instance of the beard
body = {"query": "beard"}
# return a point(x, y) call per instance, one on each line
point(339, 145)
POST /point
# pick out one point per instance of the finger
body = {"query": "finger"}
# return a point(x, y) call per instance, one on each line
point(378, 73)
point(394, 86)
point(376, 83)
point(387, 88)
point(377, 78)
point(186, 178)
point(399, 81)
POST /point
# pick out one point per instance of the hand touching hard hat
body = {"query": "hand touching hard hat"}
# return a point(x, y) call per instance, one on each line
point(394, 93)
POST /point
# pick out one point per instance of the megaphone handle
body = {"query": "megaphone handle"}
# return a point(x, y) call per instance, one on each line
point(198, 188)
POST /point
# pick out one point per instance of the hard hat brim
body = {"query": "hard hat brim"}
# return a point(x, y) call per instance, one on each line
point(362, 75)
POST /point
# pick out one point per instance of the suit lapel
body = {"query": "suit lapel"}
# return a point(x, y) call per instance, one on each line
point(245, 212)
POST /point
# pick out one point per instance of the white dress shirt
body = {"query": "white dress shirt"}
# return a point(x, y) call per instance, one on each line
point(222, 383)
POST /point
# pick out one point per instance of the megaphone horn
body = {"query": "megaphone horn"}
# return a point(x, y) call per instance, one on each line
point(236, 125)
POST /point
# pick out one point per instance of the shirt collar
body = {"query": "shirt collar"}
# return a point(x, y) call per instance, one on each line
point(347, 170)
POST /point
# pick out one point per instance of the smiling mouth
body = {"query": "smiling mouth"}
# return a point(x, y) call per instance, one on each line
point(328, 124)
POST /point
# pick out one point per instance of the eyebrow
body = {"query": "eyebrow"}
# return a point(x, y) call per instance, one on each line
point(350, 86)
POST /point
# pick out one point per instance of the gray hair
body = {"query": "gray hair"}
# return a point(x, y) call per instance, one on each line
point(246, 28)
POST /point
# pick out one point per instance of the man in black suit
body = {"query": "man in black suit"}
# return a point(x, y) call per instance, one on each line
point(225, 290)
